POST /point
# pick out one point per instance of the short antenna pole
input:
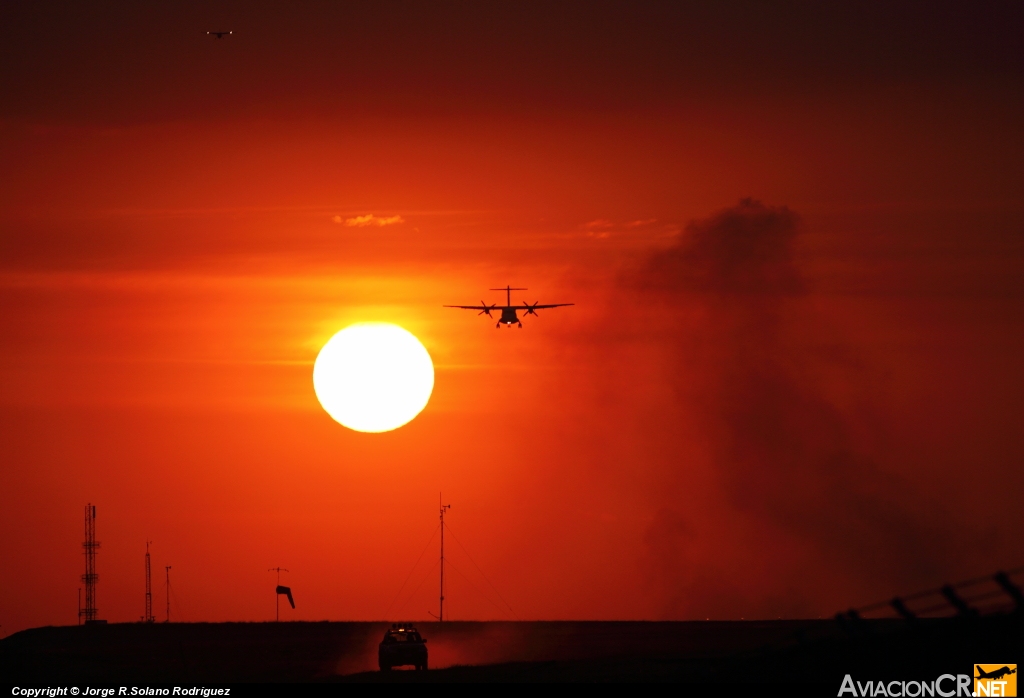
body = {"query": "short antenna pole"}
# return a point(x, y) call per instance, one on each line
point(167, 590)
point(440, 614)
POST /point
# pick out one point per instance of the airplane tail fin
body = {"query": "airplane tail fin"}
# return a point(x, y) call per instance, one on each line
point(508, 292)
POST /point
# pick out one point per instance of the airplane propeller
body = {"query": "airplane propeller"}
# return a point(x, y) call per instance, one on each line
point(487, 309)
point(530, 310)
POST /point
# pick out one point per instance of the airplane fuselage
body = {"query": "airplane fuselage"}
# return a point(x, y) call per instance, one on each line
point(509, 317)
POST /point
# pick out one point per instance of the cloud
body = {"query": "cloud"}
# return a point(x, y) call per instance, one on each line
point(797, 467)
point(746, 249)
point(369, 220)
point(641, 223)
point(604, 228)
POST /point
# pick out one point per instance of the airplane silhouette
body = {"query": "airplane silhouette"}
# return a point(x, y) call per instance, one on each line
point(508, 311)
point(996, 674)
point(220, 35)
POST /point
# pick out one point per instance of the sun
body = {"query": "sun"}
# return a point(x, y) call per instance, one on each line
point(373, 377)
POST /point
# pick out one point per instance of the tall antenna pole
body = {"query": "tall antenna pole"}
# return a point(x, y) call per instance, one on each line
point(90, 577)
point(440, 614)
point(277, 596)
point(148, 618)
point(167, 589)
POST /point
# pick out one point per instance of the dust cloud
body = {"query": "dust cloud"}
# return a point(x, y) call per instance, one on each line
point(801, 508)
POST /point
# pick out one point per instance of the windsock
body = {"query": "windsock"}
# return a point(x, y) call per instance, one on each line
point(288, 591)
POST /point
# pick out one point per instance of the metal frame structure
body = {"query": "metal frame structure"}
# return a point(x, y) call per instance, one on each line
point(148, 617)
point(90, 547)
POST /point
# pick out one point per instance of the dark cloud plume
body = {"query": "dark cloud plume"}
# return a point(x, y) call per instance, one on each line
point(746, 249)
point(785, 456)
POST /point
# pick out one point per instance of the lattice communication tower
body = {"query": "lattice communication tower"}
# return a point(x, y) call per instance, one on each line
point(149, 590)
point(90, 547)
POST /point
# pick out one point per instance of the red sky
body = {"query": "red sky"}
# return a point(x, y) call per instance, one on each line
point(781, 408)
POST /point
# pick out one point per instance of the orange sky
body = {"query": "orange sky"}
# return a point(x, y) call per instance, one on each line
point(677, 445)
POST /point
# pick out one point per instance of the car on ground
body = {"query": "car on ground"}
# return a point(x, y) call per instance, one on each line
point(402, 646)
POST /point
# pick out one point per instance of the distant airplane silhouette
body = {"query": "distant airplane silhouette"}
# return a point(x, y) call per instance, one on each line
point(508, 311)
point(997, 674)
point(288, 592)
point(220, 35)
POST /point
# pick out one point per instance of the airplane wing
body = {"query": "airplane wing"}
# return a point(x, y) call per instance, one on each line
point(540, 307)
point(473, 307)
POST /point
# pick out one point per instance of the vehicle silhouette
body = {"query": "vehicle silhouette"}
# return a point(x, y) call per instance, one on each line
point(402, 645)
point(995, 674)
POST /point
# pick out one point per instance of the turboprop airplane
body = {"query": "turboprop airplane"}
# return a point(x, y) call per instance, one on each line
point(508, 311)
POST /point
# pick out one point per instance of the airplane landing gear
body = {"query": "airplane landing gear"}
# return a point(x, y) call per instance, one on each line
point(498, 326)
point(520, 325)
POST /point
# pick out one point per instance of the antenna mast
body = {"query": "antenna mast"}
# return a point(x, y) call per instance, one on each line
point(90, 577)
point(148, 618)
point(440, 615)
point(167, 588)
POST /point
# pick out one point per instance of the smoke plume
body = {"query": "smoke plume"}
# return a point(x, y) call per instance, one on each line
point(799, 476)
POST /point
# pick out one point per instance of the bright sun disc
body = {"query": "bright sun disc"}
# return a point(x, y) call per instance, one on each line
point(373, 377)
